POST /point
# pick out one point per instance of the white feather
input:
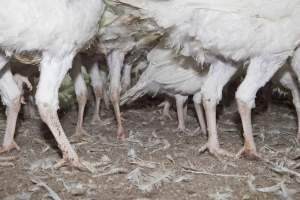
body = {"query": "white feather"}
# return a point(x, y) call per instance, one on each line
point(166, 74)
point(48, 25)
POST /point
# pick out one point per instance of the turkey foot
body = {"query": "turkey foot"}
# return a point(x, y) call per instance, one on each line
point(121, 133)
point(249, 153)
point(215, 150)
point(9, 147)
point(72, 163)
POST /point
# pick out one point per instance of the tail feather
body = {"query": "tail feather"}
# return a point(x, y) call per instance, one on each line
point(133, 94)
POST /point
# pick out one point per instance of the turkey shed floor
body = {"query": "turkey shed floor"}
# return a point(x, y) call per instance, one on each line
point(156, 162)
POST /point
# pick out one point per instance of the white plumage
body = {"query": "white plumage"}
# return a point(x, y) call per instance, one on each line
point(169, 74)
point(124, 34)
point(263, 32)
point(166, 74)
point(234, 29)
point(98, 81)
point(48, 25)
point(23, 72)
point(58, 29)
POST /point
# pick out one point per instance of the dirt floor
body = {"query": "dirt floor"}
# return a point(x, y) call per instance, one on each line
point(156, 161)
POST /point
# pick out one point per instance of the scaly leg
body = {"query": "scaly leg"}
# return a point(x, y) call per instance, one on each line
point(260, 71)
point(98, 82)
point(219, 74)
point(81, 94)
point(115, 63)
point(213, 145)
point(249, 148)
point(12, 116)
point(53, 70)
point(201, 119)
point(11, 96)
point(197, 99)
point(180, 101)
point(82, 99)
point(98, 96)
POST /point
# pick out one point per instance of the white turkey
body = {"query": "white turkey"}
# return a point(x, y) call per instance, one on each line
point(57, 29)
point(22, 72)
point(287, 78)
point(228, 33)
point(171, 75)
point(117, 39)
point(98, 78)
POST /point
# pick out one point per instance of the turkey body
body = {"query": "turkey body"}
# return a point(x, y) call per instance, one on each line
point(169, 74)
point(58, 30)
point(48, 25)
point(226, 34)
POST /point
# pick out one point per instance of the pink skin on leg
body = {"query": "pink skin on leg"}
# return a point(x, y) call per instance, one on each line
point(260, 71)
point(180, 101)
point(249, 148)
point(197, 99)
point(98, 81)
point(200, 116)
point(11, 96)
point(11, 92)
point(213, 145)
point(53, 71)
point(12, 116)
point(81, 99)
point(219, 74)
point(81, 94)
point(115, 63)
point(98, 96)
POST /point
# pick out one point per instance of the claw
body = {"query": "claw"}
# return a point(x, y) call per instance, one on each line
point(186, 131)
point(215, 150)
point(121, 133)
point(72, 163)
point(250, 154)
point(9, 147)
